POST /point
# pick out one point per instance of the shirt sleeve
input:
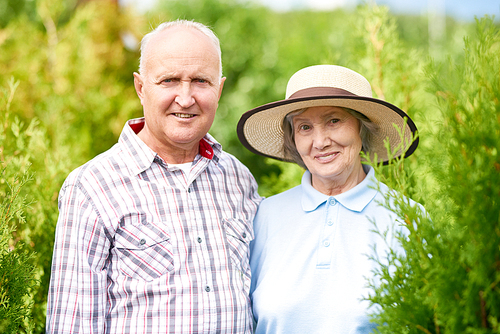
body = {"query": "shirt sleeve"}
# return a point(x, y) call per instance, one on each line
point(77, 293)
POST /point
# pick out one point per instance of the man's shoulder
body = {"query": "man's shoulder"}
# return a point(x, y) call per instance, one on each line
point(226, 156)
point(223, 156)
point(96, 167)
point(227, 159)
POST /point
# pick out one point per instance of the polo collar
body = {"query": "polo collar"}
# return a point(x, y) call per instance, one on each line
point(140, 156)
point(355, 199)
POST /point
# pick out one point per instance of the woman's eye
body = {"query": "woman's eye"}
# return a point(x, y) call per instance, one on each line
point(304, 127)
point(334, 120)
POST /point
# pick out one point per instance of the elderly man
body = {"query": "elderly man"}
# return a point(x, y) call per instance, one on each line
point(153, 234)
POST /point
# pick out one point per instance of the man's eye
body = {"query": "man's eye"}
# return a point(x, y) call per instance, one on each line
point(334, 120)
point(201, 81)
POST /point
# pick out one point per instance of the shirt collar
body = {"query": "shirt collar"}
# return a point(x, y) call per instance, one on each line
point(141, 156)
point(355, 199)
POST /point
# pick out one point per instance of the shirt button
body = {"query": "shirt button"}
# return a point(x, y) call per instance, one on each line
point(207, 288)
point(244, 235)
point(189, 190)
point(332, 201)
point(326, 243)
point(330, 223)
point(142, 242)
point(199, 240)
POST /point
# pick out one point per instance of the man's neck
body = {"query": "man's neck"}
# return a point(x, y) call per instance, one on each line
point(171, 154)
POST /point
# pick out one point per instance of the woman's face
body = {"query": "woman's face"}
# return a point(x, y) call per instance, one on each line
point(327, 139)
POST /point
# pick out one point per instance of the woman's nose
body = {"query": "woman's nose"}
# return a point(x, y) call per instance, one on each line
point(321, 139)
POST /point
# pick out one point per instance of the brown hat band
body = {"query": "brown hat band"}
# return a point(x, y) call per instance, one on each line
point(320, 91)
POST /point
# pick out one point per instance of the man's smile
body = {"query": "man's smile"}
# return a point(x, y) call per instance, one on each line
point(184, 115)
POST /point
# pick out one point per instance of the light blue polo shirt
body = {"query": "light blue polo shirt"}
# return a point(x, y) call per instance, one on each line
point(310, 258)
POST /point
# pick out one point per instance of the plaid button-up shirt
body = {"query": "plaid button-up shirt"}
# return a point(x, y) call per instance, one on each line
point(143, 248)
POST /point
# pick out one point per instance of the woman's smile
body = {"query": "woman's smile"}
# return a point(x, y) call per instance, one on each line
point(326, 157)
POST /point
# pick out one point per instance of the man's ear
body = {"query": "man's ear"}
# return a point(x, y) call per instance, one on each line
point(221, 86)
point(139, 85)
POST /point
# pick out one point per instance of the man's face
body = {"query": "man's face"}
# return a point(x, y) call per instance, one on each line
point(179, 91)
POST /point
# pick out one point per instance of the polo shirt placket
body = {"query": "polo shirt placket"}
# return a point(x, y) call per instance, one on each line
point(327, 237)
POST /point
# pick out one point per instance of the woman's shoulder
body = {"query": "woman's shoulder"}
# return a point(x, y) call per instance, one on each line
point(287, 195)
point(276, 210)
point(282, 201)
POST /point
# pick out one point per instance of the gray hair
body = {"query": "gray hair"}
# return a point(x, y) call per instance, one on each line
point(180, 23)
point(367, 130)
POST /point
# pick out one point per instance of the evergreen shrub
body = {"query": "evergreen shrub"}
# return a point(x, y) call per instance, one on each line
point(17, 271)
point(448, 281)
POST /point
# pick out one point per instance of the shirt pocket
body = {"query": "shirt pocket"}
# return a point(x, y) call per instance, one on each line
point(239, 233)
point(144, 249)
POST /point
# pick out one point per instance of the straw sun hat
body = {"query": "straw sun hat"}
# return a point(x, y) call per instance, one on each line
point(260, 131)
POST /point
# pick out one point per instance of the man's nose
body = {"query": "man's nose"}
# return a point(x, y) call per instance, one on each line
point(184, 95)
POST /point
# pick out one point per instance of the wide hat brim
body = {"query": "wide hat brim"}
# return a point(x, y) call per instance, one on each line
point(260, 129)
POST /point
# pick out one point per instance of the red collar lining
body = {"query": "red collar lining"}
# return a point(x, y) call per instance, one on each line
point(205, 148)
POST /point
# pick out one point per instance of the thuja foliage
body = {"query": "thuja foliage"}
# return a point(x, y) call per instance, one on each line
point(448, 280)
point(17, 271)
point(25, 148)
point(17, 276)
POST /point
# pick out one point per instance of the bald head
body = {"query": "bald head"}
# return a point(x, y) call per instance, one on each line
point(146, 47)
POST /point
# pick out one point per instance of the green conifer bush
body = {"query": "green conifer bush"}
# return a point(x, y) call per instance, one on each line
point(17, 276)
point(448, 281)
point(26, 155)
point(17, 271)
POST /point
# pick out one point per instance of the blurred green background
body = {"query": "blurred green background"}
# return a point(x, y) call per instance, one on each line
point(67, 90)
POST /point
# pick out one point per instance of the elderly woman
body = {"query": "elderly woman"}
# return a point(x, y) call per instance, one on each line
point(310, 255)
